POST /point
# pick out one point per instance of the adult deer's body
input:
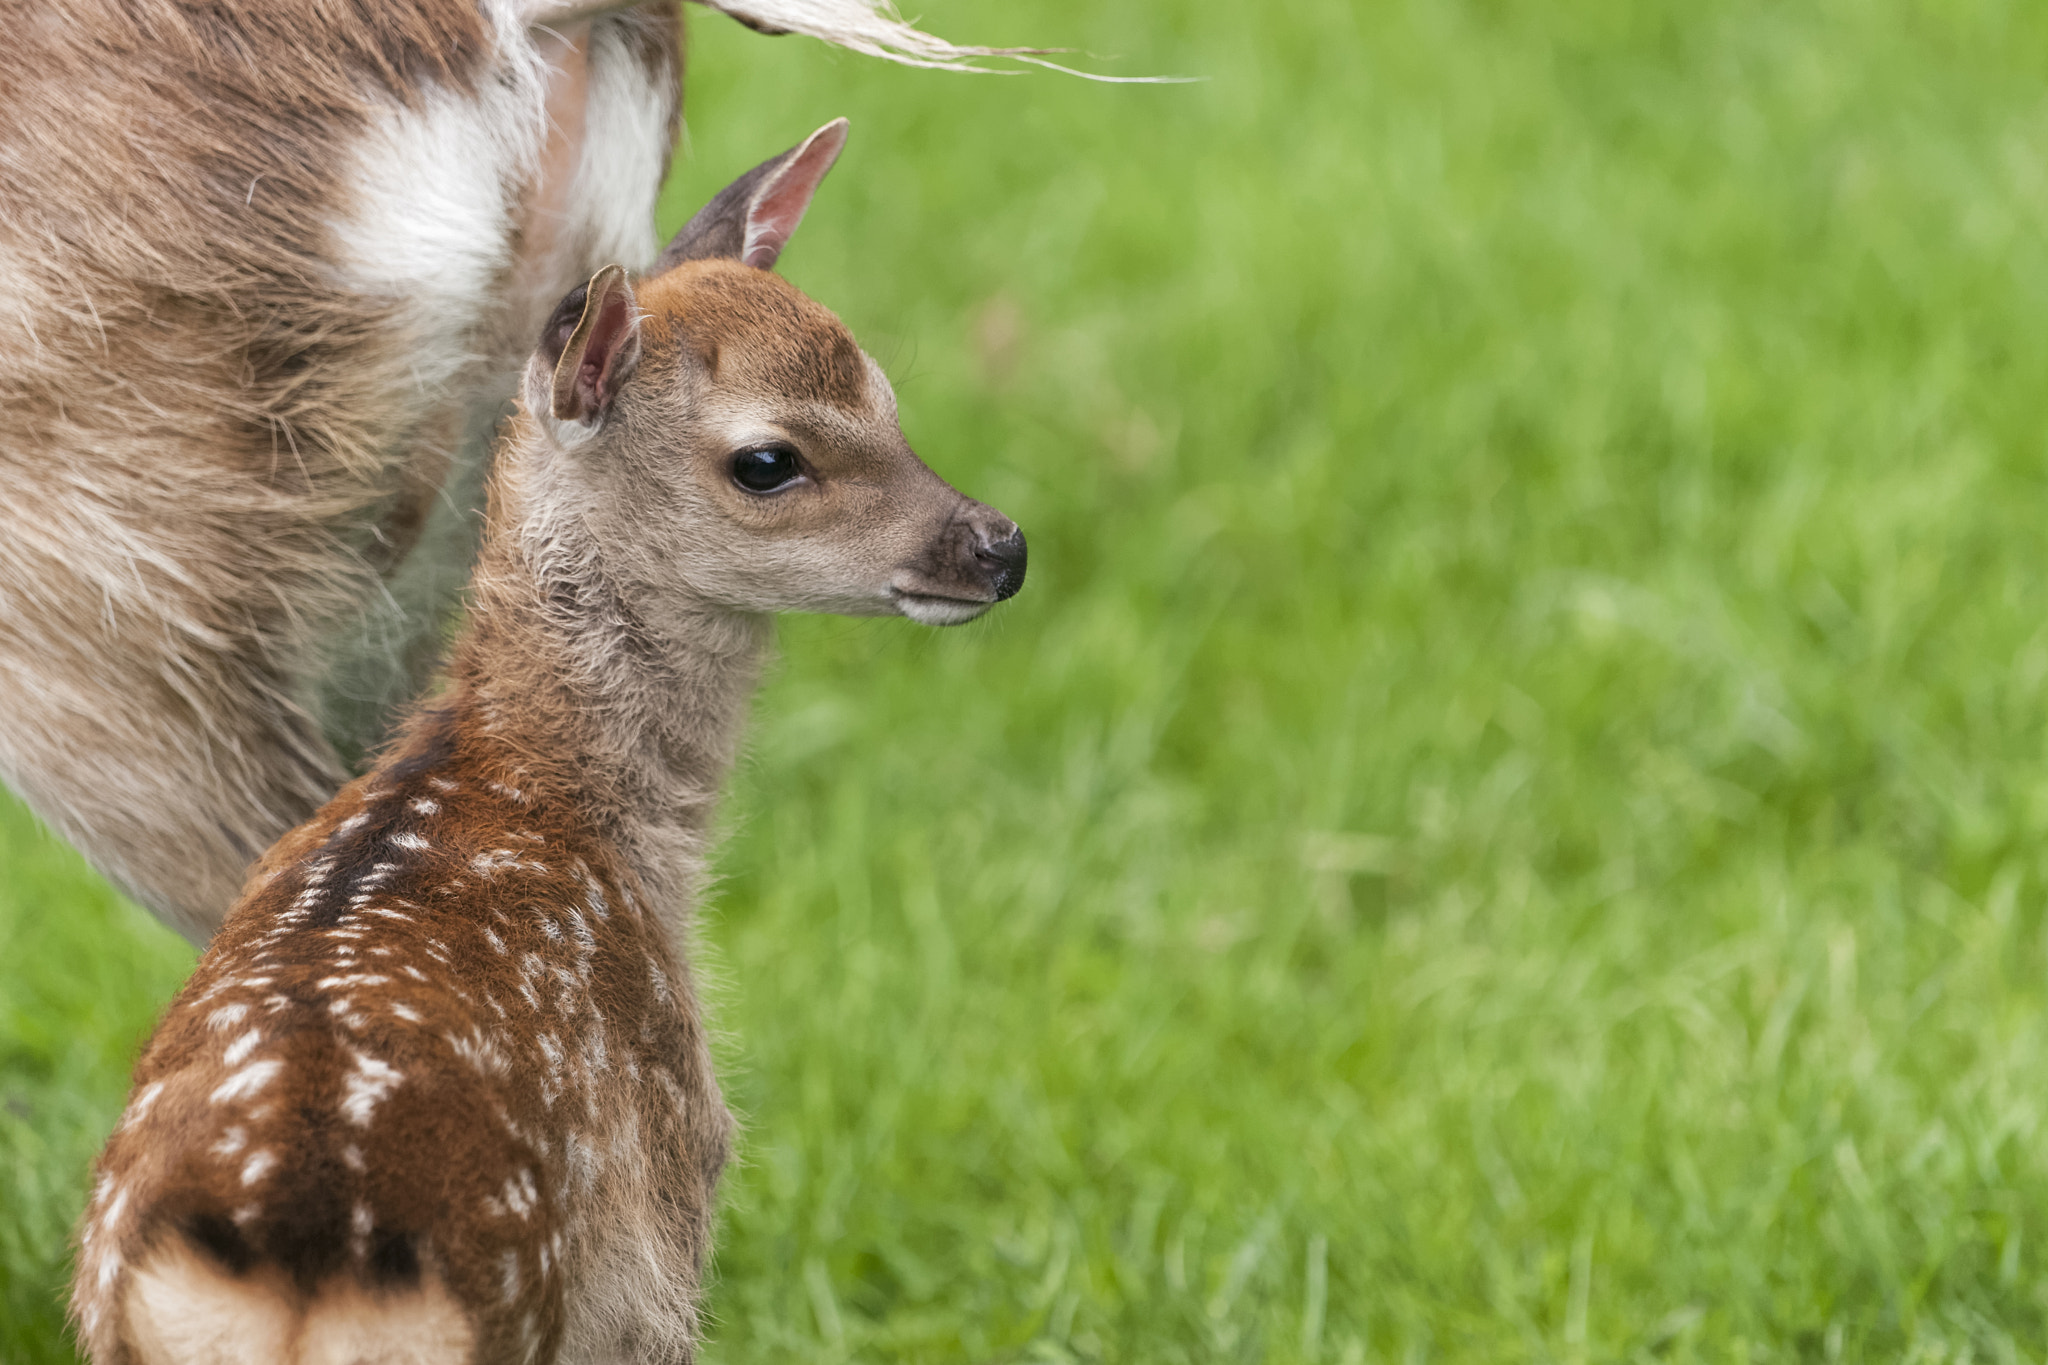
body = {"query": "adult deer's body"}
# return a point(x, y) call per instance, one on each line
point(268, 270)
point(438, 1090)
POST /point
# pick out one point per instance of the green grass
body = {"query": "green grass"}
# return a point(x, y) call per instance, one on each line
point(1508, 823)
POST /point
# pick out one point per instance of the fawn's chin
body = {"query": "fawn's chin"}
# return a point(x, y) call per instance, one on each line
point(928, 610)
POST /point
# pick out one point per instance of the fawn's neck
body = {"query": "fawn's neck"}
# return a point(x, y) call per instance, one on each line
point(629, 717)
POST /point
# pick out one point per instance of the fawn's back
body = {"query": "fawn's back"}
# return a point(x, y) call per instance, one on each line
point(441, 1030)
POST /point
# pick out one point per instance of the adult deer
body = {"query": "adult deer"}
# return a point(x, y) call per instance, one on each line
point(268, 270)
point(438, 1091)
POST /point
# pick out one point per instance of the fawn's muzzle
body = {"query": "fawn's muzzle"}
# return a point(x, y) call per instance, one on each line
point(975, 561)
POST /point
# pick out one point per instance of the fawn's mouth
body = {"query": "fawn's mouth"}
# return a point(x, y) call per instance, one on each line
point(932, 609)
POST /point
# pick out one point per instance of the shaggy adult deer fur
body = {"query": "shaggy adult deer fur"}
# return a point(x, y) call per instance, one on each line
point(438, 1090)
point(268, 270)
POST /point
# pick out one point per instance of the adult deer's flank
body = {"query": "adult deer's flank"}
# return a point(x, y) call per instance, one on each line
point(270, 269)
point(439, 1090)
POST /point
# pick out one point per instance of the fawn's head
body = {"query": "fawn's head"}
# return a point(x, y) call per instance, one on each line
point(729, 430)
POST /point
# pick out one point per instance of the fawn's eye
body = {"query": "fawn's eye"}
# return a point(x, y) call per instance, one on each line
point(765, 468)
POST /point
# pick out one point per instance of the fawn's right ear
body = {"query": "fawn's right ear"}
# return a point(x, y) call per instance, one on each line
point(593, 343)
point(752, 219)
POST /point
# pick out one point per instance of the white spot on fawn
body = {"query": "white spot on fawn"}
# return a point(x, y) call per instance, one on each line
point(352, 1157)
point(246, 1082)
point(582, 1160)
point(359, 979)
point(504, 860)
point(411, 841)
point(442, 784)
point(366, 1088)
point(232, 1141)
point(480, 1052)
point(145, 1100)
point(521, 1194)
point(598, 905)
point(227, 1016)
point(426, 805)
point(257, 1166)
point(510, 1272)
point(239, 1050)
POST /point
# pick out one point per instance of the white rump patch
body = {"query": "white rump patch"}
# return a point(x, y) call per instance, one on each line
point(180, 1307)
point(431, 212)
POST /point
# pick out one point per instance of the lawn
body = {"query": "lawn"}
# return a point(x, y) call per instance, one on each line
point(1510, 821)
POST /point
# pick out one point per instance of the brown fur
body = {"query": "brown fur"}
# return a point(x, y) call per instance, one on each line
point(443, 1062)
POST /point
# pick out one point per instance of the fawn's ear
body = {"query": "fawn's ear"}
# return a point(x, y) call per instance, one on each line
point(752, 218)
point(593, 340)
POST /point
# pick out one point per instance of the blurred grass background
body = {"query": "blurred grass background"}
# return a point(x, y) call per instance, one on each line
point(1508, 821)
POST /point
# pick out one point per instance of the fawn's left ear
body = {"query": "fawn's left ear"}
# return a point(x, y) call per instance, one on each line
point(594, 341)
point(752, 219)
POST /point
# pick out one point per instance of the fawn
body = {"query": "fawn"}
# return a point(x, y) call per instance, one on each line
point(438, 1091)
point(270, 270)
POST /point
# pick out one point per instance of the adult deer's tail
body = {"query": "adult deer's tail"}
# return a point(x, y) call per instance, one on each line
point(869, 26)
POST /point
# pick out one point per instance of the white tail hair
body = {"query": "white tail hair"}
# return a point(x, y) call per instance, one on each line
point(873, 28)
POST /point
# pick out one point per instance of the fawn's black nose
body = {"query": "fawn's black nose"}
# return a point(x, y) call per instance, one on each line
point(1003, 560)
